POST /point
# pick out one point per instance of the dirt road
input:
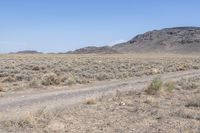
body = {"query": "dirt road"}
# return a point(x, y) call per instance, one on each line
point(17, 104)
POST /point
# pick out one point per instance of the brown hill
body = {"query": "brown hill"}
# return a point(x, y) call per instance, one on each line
point(94, 50)
point(170, 40)
point(28, 52)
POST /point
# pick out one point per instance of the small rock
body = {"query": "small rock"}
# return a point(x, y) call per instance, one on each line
point(122, 104)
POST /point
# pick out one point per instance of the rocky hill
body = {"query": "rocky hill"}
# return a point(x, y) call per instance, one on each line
point(96, 50)
point(170, 40)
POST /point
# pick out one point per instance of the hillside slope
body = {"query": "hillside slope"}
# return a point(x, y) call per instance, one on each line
point(170, 40)
point(95, 50)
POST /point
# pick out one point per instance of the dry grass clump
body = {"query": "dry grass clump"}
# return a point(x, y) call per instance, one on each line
point(188, 84)
point(155, 86)
point(50, 79)
point(103, 76)
point(91, 101)
point(170, 86)
point(194, 102)
point(70, 80)
point(8, 79)
point(34, 83)
point(1, 87)
point(29, 121)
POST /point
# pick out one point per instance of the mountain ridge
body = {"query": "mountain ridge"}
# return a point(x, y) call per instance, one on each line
point(171, 40)
point(167, 40)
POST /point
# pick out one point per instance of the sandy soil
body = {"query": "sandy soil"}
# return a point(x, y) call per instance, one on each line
point(132, 111)
point(99, 93)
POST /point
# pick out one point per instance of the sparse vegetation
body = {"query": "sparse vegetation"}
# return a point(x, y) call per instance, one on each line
point(50, 79)
point(123, 111)
point(1, 90)
point(91, 101)
point(170, 86)
point(32, 71)
point(155, 86)
point(34, 83)
point(70, 80)
point(29, 120)
point(194, 102)
point(1, 87)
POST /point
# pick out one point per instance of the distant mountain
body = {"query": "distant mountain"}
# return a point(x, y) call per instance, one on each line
point(169, 40)
point(96, 50)
point(28, 52)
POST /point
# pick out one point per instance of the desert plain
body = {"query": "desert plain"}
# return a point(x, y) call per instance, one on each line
point(160, 105)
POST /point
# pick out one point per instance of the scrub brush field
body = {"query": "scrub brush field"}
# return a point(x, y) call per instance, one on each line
point(22, 72)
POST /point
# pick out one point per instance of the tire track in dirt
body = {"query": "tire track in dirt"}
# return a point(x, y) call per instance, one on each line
point(17, 105)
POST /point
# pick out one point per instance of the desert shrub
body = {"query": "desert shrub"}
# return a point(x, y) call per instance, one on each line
point(169, 86)
point(50, 79)
point(4, 74)
point(87, 74)
point(71, 80)
point(125, 75)
point(1, 87)
point(194, 102)
point(102, 76)
point(34, 83)
point(68, 79)
point(20, 77)
point(87, 68)
point(9, 79)
point(28, 122)
point(155, 86)
point(184, 113)
point(195, 67)
point(91, 101)
point(182, 67)
point(35, 68)
point(82, 81)
point(187, 84)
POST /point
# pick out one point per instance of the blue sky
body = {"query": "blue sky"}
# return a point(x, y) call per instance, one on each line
point(62, 25)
